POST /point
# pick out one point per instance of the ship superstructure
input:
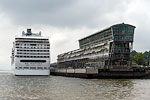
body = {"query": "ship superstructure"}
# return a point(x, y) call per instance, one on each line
point(31, 54)
point(108, 48)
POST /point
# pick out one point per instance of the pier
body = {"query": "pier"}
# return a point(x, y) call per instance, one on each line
point(138, 73)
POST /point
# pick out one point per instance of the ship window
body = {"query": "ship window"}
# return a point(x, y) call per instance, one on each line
point(33, 61)
point(45, 68)
point(32, 44)
point(26, 67)
point(39, 68)
point(32, 67)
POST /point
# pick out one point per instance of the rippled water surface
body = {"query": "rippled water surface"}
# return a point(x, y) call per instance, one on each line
point(64, 88)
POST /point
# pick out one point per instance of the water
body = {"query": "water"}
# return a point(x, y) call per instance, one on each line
point(64, 88)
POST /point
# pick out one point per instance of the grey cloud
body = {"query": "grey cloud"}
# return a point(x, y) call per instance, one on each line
point(61, 13)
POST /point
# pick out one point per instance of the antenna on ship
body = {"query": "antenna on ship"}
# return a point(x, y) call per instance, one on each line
point(40, 33)
point(23, 33)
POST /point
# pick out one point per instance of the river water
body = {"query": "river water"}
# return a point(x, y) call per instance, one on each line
point(66, 88)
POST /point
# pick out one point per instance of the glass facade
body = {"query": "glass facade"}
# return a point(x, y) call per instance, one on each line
point(123, 32)
point(123, 35)
point(96, 38)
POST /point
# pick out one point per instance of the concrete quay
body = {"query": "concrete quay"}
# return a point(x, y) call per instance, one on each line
point(140, 73)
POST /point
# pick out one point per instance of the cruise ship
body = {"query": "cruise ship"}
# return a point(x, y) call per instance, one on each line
point(31, 54)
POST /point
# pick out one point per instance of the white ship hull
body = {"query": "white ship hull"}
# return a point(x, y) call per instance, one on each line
point(32, 72)
point(24, 68)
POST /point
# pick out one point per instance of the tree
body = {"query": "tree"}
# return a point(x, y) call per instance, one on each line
point(147, 56)
point(133, 53)
point(139, 59)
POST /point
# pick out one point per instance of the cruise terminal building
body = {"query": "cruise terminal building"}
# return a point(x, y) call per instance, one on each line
point(108, 48)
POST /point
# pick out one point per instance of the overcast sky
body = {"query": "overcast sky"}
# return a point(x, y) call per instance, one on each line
point(66, 21)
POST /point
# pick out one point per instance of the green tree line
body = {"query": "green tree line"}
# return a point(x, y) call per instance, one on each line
point(140, 58)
